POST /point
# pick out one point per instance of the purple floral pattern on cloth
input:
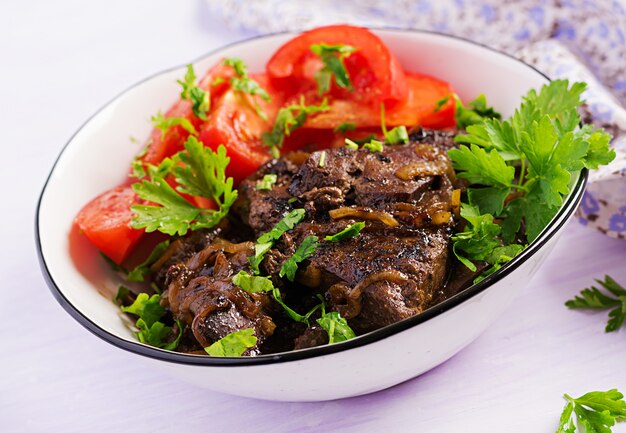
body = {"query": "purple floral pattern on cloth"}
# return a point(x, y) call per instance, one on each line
point(575, 39)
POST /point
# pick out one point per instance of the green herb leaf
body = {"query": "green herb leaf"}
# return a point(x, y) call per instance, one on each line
point(345, 127)
point(143, 269)
point(243, 83)
point(350, 144)
point(332, 56)
point(304, 251)
point(440, 103)
point(267, 182)
point(233, 344)
point(122, 293)
point(593, 298)
point(203, 175)
point(151, 330)
point(374, 146)
point(349, 232)
point(478, 240)
point(596, 411)
point(266, 240)
point(479, 167)
point(252, 284)
point(288, 120)
point(397, 135)
point(165, 123)
point(191, 92)
point(476, 112)
point(336, 327)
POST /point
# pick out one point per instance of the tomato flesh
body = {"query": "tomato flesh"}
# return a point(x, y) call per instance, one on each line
point(377, 74)
point(105, 221)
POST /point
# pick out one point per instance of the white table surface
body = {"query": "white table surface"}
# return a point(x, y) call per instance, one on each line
point(59, 62)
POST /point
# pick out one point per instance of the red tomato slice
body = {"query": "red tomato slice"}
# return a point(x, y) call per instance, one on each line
point(105, 221)
point(418, 109)
point(235, 123)
point(375, 71)
point(160, 145)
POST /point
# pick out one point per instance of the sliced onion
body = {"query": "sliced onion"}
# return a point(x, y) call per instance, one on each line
point(422, 168)
point(371, 215)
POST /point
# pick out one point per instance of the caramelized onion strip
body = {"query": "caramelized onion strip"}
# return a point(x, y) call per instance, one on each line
point(372, 215)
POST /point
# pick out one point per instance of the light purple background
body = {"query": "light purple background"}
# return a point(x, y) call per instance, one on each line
point(60, 62)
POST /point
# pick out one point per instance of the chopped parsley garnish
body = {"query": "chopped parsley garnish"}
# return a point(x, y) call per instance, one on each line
point(143, 269)
point(267, 182)
point(200, 100)
point(151, 330)
point(595, 412)
point(336, 326)
point(374, 146)
point(332, 56)
point(202, 175)
point(243, 83)
point(165, 123)
point(397, 135)
point(475, 112)
point(304, 251)
point(288, 120)
point(267, 240)
point(233, 344)
point(440, 103)
point(520, 169)
point(122, 294)
point(350, 144)
point(345, 127)
point(349, 232)
point(594, 299)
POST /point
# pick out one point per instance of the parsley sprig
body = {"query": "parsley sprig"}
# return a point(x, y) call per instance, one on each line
point(159, 121)
point(596, 411)
point(475, 112)
point(333, 57)
point(303, 252)
point(200, 99)
point(243, 83)
point(233, 344)
point(150, 330)
point(202, 174)
point(520, 168)
point(594, 299)
point(288, 120)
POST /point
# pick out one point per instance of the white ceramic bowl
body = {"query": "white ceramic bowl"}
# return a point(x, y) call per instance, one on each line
point(97, 158)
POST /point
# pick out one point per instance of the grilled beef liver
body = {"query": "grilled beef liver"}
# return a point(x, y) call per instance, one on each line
point(391, 271)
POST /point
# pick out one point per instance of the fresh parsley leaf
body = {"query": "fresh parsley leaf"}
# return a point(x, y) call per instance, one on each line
point(475, 112)
point(202, 175)
point(266, 240)
point(336, 326)
point(595, 411)
point(200, 99)
point(440, 103)
point(303, 252)
point(374, 146)
point(151, 330)
point(397, 135)
point(288, 120)
point(479, 167)
point(243, 83)
point(479, 239)
point(345, 127)
point(332, 56)
point(267, 182)
point(233, 344)
point(165, 123)
point(140, 271)
point(251, 283)
point(349, 232)
point(122, 294)
point(593, 298)
point(350, 144)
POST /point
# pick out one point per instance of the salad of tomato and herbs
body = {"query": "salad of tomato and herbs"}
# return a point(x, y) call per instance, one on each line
point(334, 183)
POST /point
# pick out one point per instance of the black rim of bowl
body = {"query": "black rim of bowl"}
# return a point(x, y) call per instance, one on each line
point(560, 219)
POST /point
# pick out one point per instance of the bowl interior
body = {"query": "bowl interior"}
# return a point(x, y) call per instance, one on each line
point(98, 156)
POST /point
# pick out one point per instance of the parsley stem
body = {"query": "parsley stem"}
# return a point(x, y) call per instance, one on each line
point(522, 172)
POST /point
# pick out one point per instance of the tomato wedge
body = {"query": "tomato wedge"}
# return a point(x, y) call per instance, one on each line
point(375, 71)
point(161, 146)
point(235, 123)
point(105, 221)
point(419, 109)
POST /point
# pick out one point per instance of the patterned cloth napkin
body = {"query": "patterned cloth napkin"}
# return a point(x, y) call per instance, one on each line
point(582, 40)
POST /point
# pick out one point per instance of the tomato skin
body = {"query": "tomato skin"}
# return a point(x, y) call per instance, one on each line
point(105, 221)
point(419, 109)
point(376, 72)
point(235, 123)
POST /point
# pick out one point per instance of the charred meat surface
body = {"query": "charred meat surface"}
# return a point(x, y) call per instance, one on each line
point(394, 269)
